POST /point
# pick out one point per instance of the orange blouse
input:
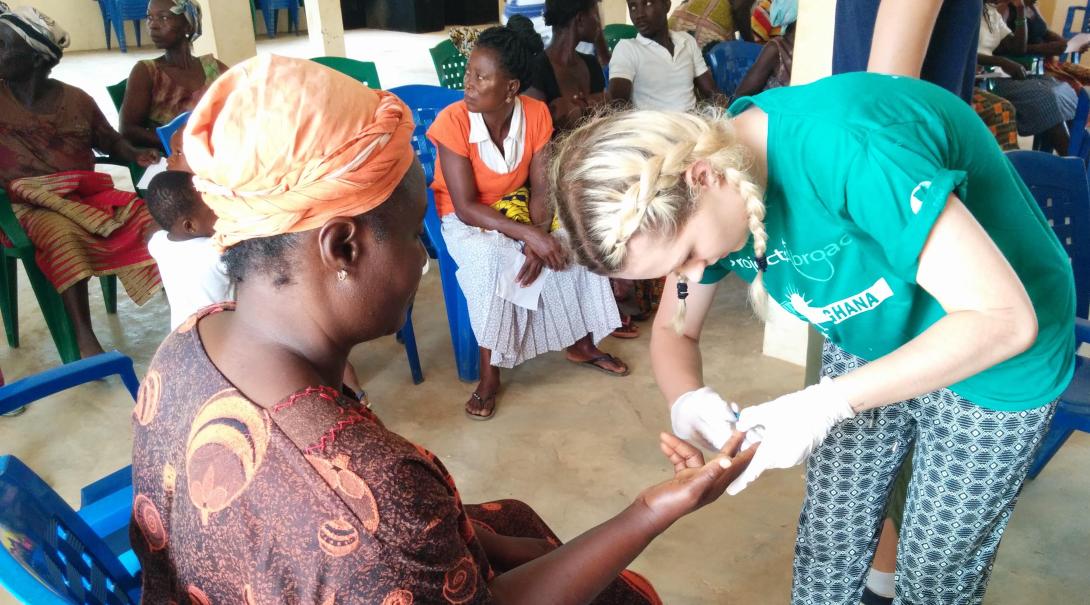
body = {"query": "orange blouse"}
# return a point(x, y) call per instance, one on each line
point(451, 130)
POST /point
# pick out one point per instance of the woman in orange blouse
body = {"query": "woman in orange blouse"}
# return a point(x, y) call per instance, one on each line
point(491, 145)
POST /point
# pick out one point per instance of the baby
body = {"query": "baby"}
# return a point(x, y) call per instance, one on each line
point(193, 275)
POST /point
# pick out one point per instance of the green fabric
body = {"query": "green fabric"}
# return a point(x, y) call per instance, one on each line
point(860, 167)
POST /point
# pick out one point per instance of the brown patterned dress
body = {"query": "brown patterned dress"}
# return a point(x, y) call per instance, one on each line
point(309, 501)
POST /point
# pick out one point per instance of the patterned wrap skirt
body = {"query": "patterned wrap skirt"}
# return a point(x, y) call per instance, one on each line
point(574, 302)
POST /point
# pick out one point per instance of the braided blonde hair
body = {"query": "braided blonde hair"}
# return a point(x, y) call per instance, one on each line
point(623, 174)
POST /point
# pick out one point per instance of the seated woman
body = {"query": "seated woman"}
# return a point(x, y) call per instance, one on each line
point(1043, 104)
point(160, 89)
point(1047, 44)
point(490, 146)
point(573, 85)
point(80, 226)
point(249, 453)
point(772, 69)
point(570, 82)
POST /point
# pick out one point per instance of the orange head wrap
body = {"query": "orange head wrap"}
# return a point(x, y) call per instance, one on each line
point(280, 145)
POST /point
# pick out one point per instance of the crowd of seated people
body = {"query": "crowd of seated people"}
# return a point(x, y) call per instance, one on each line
point(80, 225)
point(1043, 105)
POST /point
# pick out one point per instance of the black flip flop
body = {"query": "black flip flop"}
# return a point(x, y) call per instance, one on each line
point(593, 364)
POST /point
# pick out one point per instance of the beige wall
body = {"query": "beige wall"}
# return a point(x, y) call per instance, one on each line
point(83, 21)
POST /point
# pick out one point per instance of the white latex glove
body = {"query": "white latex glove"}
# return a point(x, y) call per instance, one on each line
point(703, 417)
point(789, 428)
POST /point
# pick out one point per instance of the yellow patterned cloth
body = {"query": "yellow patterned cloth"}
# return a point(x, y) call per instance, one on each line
point(516, 206)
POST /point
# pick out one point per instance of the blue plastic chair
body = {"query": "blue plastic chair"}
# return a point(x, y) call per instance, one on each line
point(426, 103)
point(1076, 25)
point(1080, 141)
point(118, 12)
point(270, 10)
point(167, 130)
point(1060, 187)
point(49, 553)
point(729, 61)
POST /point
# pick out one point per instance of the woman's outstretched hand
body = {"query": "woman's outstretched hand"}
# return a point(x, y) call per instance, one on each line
point(695, 482)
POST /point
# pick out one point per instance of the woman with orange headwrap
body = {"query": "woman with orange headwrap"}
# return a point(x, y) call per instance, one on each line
point(257, 477)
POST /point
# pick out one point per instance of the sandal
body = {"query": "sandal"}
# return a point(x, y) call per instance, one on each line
point(628, 329)
point(595, 363)
point(482, 418)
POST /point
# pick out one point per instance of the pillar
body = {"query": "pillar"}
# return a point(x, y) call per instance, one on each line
point(325, 27)
point(228, 31)
point(787, 337)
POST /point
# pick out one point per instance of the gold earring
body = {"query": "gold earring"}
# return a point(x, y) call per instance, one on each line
point(342, 275)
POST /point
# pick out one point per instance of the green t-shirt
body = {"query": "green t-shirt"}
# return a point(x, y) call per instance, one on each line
point(860, 166)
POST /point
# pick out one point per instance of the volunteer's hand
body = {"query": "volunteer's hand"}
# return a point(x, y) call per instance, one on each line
point(702, 416)
point(789, 428)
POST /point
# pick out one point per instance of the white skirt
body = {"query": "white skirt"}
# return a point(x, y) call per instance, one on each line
point(574, 302)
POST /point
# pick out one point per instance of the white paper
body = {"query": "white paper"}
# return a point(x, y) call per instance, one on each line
point(508, 288)
point(1074, 44)
point(150, 173)
point(120, 174)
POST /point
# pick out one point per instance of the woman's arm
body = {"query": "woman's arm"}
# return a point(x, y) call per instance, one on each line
point(1014, 69)
point(755, 79)
point(458, 173)
point(989, 317)
point(707, 91)
point(135, 109)
point(108, 141)
point(620, 91)
point(675, 358)
point(578, 571)
point(1015, 44)
point(541, 215)
point(742, 14)
point(902, 33)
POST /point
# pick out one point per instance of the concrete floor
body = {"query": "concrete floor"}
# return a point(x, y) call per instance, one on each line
point(575, 444)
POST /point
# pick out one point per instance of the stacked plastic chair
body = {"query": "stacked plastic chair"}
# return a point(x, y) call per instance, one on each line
point(270, 10)
point(116, 12)
point(1060, 187)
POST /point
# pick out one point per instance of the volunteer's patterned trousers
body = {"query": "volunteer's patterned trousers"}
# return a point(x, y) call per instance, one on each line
point(968, 467)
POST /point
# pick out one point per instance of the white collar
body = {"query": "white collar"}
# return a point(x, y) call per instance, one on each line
point(478, 130)
point(648, 41)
